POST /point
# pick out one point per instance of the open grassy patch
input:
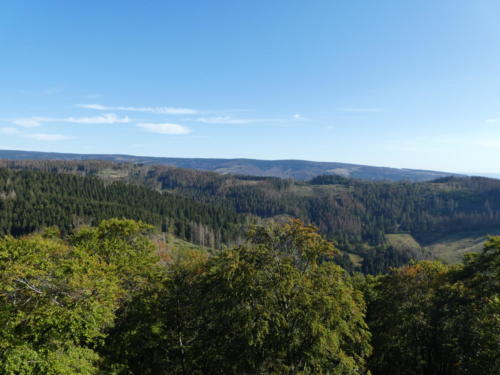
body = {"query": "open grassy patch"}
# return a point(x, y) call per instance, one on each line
point(452, 248)
point(402, 241)
point(356, 259)
point(112, 173)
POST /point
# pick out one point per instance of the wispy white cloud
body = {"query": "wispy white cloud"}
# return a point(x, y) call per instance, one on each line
point(164, 128)
point(229, 120)
point(490, 143)
point(9, 131)
point(98, 107)
point(47, 137)
point(108, 118)
point(27, 122)
point(226, 120)
point(493, 120)
point(35, 136)
point(154, 110)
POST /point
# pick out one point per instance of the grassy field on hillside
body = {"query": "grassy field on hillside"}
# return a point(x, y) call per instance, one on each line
point(402, 241)
point(448, 248)
point(452, 248)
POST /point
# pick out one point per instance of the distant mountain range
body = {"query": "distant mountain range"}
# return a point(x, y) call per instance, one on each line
point(296, 169)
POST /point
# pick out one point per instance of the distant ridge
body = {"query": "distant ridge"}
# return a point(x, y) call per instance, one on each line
point(297, 169)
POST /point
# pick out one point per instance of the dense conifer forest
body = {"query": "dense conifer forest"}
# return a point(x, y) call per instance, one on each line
point(212, 210)
point(31, 200)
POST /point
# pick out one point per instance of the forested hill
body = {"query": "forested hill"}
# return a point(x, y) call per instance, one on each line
point(296, 169)
point(365, 218)
point(31, 200)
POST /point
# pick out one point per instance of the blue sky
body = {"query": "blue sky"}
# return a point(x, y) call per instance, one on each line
point(393, 83)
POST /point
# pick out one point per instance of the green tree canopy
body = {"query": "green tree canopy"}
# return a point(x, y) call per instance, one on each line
point(428, 318)
point(55, 302)
point(271, 306)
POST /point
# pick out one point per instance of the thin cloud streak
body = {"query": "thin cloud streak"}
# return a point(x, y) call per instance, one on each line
point(35, 136)
point(27, 122)
point(154, 110)
point(493, 120)
point(165, 128)
point(237, 121)
point(9, 131)
point(491, 143)
point(108, 118)
point(226, 120)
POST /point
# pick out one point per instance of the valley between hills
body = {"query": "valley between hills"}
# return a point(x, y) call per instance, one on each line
point(377, 224)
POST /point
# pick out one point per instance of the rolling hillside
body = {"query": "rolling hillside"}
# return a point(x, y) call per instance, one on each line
point(296, 169)
point(384, 223)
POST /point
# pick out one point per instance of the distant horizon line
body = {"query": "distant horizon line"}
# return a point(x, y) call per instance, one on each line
point(480, 174)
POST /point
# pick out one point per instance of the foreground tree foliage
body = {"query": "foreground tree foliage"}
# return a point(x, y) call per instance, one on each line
point(270, 306)
point(428, 318)
point(55, 302)
point(101, 301)
point(58, 299)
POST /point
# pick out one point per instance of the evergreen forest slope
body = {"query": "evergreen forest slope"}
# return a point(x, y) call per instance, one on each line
point(377, 224)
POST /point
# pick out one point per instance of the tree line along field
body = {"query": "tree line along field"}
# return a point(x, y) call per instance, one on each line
point(114, 299)
point(212, 209)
